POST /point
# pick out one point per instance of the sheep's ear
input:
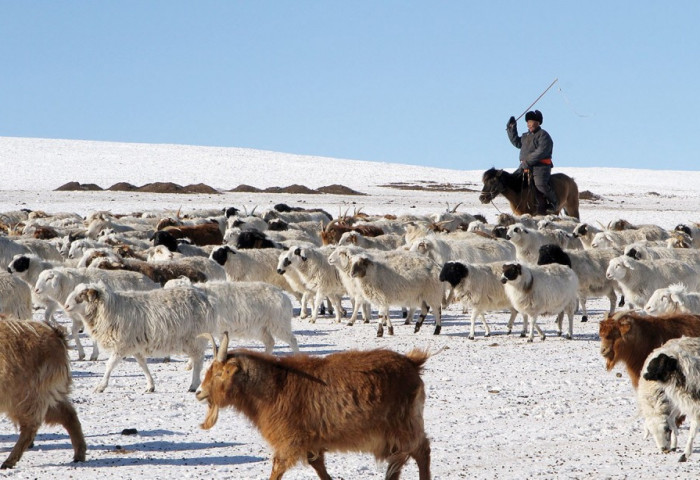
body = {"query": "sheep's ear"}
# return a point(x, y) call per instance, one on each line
point(92, 294)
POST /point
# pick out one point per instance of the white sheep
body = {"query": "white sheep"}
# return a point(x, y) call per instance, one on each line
point(28, 267)
point(9, 248)
point(144, 324)
point(474, 249)
point(316, 274)
point(53, 286)
point(399, 279)
point(589, 266)
point(676, 366)
point(585, 233)
point(542, 290)
point(478, 286)
point(527, 242)
point(620, 238)
point(659, 413)
point(638, 279)
point(15, 297)
point(255, 310)
point(673, 299)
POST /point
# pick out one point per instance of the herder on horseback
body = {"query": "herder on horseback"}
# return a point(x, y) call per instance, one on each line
point(535, 159)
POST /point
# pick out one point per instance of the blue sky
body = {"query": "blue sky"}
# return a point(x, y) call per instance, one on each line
point(423, 83)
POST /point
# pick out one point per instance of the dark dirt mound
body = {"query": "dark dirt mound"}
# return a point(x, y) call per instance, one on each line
point(243, 188)
point(75, 186)
point(336, 189)
point(123, 187)
point(169, 187)
point(299, 189)
point(588, 195)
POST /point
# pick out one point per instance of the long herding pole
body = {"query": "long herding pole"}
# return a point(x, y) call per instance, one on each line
point(538, 99)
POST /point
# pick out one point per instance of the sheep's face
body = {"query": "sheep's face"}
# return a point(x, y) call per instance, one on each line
point(220, 255)
point(19, 264)
point(422, 247)
point(218, 388)
point(581, 230)
point(510, 272)
point(516, 234)
point(661, 431)
point(453, 273)
point(661, 302)
point(661, 368)
point(77, 249)
point(617, 270)
point(284, 261)
point(339, 258)
point(601, 240)
point(48, 283)
point(79, 298)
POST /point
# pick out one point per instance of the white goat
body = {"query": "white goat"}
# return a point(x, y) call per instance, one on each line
point(676, 366)
point(400, 279)
point(388, 241)
point(638, 279)
point(316, 274)
point(340, 259)
point(478, 286)
point(542, 290)
point(248, 310)
point(673, 299)
point(54, 285)
point(145, 324)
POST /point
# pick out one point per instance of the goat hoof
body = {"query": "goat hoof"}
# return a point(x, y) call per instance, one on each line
point(407, 322)
point(416, 328)
point(683, 458)
point(6, 465)
point(437, 329)
point(584, 318)
point(391, 330)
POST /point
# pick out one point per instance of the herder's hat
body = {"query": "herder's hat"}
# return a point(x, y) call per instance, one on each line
point(536, 116)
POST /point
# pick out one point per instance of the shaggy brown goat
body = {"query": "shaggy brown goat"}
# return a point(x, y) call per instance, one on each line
point(335, 229)
point(36, 379)
point(158, 272)
point(362, 401)
point(629, 337)
point(203, 234)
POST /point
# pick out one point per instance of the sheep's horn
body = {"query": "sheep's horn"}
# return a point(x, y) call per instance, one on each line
point(223, 348)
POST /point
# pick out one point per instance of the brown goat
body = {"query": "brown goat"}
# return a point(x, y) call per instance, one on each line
point(336, 228)
point(36, 379)
point(629, 337)
point(362, 401)
point(158, 272)
point(202, 234)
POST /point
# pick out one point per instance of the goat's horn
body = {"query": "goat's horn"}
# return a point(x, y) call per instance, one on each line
point(223, 348)
point(252, 212)
point(210, 337)
point(177, 215)
point(331, 223)
point(454, 210)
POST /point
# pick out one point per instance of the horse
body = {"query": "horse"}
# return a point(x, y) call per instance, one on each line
point(521, 195)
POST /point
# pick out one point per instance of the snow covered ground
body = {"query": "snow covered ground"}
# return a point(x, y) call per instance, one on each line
point(497, 407)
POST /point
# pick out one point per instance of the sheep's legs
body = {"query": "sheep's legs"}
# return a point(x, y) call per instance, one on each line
point(582, 301)
point(27, 432)
point(268, 340)
point(689, 443)
point(75, 333)
point(384, 319)
point(141, 360)
point(317, 461)
point(533, 326)
point(64, 414)
point(475, 314)
point(511, 320)
point(197, 358)
point(112, 362)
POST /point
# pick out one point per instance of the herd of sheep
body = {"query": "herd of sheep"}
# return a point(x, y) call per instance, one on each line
point(151, 285)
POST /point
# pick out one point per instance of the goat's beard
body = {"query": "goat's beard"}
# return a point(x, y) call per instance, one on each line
point(211, 418)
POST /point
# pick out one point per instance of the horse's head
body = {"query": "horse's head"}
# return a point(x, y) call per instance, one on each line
point(493, 185)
